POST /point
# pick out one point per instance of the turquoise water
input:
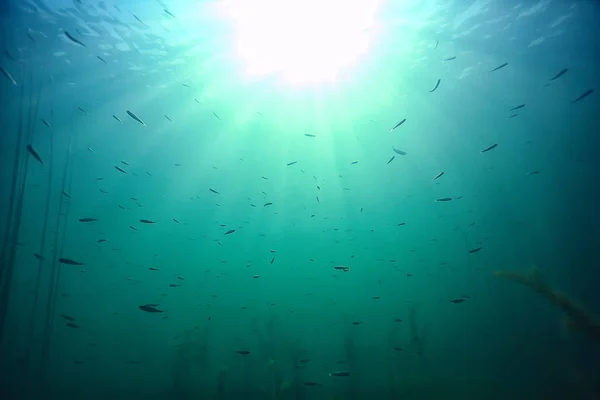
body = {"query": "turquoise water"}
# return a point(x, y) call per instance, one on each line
point(224, 207)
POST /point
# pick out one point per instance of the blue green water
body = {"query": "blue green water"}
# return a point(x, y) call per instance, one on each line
point(254, 189)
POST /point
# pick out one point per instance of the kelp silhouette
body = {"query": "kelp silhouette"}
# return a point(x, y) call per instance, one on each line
point(578, 317)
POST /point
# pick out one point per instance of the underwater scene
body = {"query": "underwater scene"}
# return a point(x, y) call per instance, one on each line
point(285, 199)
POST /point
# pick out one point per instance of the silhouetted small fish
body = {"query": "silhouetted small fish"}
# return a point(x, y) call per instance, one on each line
point(437, 42)
point(583, 96)
point(436, 85)
point(168, 12)
point(499, 67)
point(34, 153)
point(354, 163)
point(391, 159)
point(292, 163)
point(102, 59)
point(438, 176)
point(120, 169)
point(243, 352)
point(398, 124)
point(46, 123)
point(401, 223)
point(229, 232)
point(339, 373)
point(561, 73)
point(170, 120)
point(534, 172)
point(87, 219)
point(150, 308)
point(475, 250)
point(139, 20)
point(443, 199)
point(456, 301)
point(309, 135)
point(133, 228)
point(117, 118)
point(357, 323)
point(517, 107)
point(36, 255)
point(267, 204)
point(68, 261)
point(147, 221)
point(132, 115)
point(342, 268)
point(153, 269)
point(68, 318)
point(272, 259)
point(72, 325)
point(489, 148)
point(450, 58)
point(216, 116)
point(101, 240)
point(8, 75)
point(175, 220)
point(214, 191)
point(73, 39)
point(398, 151)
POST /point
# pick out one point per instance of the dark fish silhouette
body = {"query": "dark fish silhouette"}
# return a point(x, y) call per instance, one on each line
point(438, 176)
point(450, 58)
point(339, 373)
point(72, 39)
point(87, 219)
point(8, 76)
point(561, 73)
point(243, 352)
point(391, 159)
point(436, 86)
point(68, 261)
point(150, 308)
point(398, 151)
point(229, 232)
point(517, 107)
point(475, 250)
point(489, 148)
point(102, 59)
point(34, 153)
point(499, 67)
point(147, 221)
point(456, 301)
point(132, 115)
point(170, 120)
point(398, 124)
point(443, 199)
point(583, 96)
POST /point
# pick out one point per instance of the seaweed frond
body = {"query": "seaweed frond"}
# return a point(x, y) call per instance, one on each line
point(579, 318)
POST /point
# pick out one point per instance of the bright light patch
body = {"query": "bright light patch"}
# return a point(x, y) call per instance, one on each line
point(304, 40)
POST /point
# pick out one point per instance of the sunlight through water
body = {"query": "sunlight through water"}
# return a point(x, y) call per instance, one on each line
point(301, 41)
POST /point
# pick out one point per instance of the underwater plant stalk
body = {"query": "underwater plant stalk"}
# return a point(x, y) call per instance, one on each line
point(15, 209)
point(41, 251)
point(66, 185)
point(579, 318)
